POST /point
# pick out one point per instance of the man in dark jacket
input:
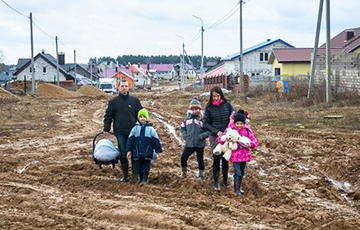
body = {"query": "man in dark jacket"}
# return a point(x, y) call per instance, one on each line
point(122, 111)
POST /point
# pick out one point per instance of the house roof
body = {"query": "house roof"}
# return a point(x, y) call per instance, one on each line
point(139, 69)
point(253, 48)
point(24, 63)
point(291, 55)
point(341, 40)
point(159, 67)
point(219, 70)
point(124, 71)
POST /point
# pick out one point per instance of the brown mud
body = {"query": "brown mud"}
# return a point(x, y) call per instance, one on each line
point(305, 173)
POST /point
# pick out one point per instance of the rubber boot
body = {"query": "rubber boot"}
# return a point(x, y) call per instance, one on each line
point(145, 178)
point(225, 179)
point(183, 172)
point(135, 175)
point(201, 175)
point(125, 176)
point(216, 181)
point(135, 172)
point(240, 182)
point(237, 187)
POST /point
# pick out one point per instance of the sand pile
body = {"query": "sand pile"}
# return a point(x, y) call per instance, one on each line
point(6, 95)
point(89, 90)
point(51, 90)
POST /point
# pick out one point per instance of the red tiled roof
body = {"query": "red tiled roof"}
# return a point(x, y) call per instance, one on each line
point(293, 54)
point(340, 41)
point(284, 55)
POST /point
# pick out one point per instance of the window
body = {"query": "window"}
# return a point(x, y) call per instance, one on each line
point(277, 71)
point(264, 57)
point(44, 69)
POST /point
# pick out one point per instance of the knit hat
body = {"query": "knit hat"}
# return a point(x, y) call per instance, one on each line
point(195, 103)
point(143, 112)
point(240, 117)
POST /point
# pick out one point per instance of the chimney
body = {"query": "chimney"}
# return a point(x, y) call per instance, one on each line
point(138, 64)
point(61, 58)
point(268, 39)
point(43, 51)
point(349, 35)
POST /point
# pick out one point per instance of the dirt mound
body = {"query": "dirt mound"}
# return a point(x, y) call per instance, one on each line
point(51, 90)
point(89, 90)
point(6, 95)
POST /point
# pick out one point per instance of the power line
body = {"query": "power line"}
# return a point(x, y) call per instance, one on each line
point(225, 17)
point(52, 37)
point(195, 38)
point(15, 10)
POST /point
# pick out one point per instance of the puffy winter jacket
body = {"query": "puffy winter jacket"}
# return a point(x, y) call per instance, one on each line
point(216, 118)
point(143, 141)
point(241, 154)
point(193, 131)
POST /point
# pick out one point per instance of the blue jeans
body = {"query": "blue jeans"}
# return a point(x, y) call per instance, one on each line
point(122, 148)
point(239, 170)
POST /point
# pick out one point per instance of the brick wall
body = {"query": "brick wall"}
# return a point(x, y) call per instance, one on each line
point(345, 69)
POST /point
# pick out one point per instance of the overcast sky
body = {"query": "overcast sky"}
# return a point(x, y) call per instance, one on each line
point(97, 28)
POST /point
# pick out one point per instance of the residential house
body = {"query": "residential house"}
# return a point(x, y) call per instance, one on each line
point(345, 56)
point(291, 61)
point(255, 59)
point(121, 73)
point(142, 77)
point(189, 71)
point(160, 71)
point(44, 69)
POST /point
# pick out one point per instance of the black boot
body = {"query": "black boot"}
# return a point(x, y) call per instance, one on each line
point(145, 178)
point(225, 179)
point(125, 176)
point(216, 180)
point(183, 172)
point(135, 172)
point(237, 186)
point(201, 175)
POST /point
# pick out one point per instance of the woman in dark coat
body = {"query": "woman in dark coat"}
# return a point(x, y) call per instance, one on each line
point(216, 119)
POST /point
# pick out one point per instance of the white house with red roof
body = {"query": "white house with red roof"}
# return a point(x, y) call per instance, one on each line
point(142, 77)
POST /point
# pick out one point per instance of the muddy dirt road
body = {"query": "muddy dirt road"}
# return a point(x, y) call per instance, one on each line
point(300, 178)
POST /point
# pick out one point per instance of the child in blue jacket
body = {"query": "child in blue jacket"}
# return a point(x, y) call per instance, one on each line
point(143, 145)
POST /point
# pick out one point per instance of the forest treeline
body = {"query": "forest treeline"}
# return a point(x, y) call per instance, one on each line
point(159, 59)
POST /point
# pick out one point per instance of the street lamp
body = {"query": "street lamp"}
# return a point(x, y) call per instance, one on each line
point(182, 70)
point(202, 51)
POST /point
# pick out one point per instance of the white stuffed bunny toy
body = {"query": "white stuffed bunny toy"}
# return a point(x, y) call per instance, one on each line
point(231, 140)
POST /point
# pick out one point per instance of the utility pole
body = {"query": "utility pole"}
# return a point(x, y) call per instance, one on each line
point(57, 61)
point(32, 57)
point(75, 70)
point(315, 52)
point(202, 52)
point(91, 72)
point(328, 54)
point(182, 69)
point(241, 50)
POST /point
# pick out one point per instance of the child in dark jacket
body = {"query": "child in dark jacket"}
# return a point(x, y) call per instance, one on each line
point(143, 146)
point(194, 133)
